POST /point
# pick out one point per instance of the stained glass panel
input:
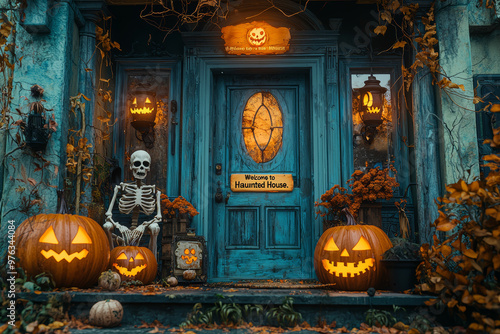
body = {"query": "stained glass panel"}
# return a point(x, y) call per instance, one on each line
point(262, 127)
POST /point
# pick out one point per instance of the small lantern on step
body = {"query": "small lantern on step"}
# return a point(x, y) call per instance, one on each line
point(142, 108)
point(189, 258)
point(371, 106)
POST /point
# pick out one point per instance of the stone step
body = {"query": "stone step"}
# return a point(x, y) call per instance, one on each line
point(171, 306)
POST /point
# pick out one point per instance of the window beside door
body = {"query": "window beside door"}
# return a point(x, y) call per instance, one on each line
point(372, 143)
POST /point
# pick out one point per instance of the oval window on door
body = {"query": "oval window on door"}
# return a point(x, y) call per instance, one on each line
point(262, 127)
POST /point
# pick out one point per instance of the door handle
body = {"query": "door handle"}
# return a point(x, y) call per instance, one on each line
point(218, 195)
point(227, 197)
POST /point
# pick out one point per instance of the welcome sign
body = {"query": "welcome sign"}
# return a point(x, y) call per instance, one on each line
point(256, 38)
point(261, 182)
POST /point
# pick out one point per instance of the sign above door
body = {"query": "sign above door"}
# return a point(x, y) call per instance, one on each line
point(255, 38)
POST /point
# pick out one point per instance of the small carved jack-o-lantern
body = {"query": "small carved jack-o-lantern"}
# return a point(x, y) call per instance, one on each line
point(256, 36)
point(64, 246)
point(134, 263)
point(349, 256)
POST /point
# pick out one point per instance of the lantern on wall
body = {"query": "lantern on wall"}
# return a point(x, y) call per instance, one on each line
point(142, 108)
point(36, 131)
point(372, 102)
point(189, 258)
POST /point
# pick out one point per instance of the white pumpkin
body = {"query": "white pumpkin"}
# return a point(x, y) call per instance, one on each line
point(106, 313)
point(172, 281)
point(110, 280)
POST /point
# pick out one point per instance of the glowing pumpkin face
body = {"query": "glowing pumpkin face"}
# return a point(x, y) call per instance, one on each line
point(134, 263)
point(349, 256)
point(256, 36)
point(142, 103)
point(49, 237)
point(65, 246)
point(190, 255)
point(348, 268)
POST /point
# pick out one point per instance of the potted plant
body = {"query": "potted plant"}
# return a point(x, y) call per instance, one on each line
point(402, 260)
point(365, 187)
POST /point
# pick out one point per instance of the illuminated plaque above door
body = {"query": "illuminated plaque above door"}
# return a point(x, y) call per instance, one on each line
point(256, 38)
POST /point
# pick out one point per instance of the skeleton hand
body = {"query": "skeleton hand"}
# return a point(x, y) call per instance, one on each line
point(108, 226)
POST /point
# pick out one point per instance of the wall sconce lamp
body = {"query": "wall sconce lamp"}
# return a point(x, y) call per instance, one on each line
point(143, 108)
point(36, 129)
point(36, 132)
point(371, 106)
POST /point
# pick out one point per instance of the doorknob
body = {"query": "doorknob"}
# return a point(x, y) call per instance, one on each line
point(227, 197)
point(218, 194)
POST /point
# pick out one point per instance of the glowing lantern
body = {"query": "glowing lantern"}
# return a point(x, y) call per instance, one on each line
point(189, 258)
point(349, 256)
point(134, 263)
point(142, 108)
point(64, 246)
point(372, 102)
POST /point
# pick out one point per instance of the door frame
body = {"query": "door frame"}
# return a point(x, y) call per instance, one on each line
point(201, 63)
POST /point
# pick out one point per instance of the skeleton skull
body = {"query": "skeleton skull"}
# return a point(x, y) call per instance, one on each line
point(256, 36)
point(140, 163)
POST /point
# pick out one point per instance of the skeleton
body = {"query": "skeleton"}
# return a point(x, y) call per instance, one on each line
point(136, 197)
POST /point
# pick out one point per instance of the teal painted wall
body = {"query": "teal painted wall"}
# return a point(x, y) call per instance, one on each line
point(484, 50)
point(49, 61)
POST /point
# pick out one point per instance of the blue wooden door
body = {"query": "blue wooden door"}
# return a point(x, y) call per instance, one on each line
point(262, 235)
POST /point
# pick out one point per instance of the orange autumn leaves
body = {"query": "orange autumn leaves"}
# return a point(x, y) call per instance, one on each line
point(462, 267)
point(178, 207)
point(375, 183)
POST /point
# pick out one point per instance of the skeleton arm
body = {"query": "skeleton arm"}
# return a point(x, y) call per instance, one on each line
point(158, 206)
point(109, 213)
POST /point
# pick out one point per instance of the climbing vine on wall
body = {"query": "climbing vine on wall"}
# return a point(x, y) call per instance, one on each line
point(88, 164)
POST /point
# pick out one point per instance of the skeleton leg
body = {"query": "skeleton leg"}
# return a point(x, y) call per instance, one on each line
point(154, 229)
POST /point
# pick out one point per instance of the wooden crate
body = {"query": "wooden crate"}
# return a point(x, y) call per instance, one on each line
point(171, 227)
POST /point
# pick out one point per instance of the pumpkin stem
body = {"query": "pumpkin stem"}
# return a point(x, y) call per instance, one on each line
point(349, 216)
point(63, 208)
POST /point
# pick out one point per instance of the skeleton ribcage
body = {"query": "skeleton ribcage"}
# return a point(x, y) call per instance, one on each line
point(134, 197)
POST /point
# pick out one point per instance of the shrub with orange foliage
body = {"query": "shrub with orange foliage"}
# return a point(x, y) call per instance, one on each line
point(367, 186)
point(463, 265)
point(178, 207)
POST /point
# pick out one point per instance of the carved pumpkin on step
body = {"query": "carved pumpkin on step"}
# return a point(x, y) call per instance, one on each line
point(65, 246)
point(349, 256)
point(134, 263)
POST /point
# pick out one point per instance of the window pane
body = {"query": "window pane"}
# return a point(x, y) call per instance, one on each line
point(371, 147)
point(262, 127)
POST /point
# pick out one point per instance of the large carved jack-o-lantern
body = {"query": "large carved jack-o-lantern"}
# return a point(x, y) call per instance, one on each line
point(134, 263)
point(349, 256)
point(65, 246)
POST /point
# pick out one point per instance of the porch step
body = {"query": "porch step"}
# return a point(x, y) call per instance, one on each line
point(171, 306)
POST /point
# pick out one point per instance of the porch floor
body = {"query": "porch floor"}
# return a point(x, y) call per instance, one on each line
point(170, 306)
